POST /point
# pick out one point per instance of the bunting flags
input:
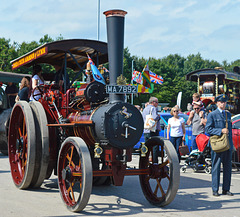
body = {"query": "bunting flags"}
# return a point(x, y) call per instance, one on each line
point(154, 78)
point(157, 79)
point(146, 76)
point(95, 72)
point(137, 76)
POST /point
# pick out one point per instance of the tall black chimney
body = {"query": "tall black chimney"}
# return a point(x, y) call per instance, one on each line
point(115, 38)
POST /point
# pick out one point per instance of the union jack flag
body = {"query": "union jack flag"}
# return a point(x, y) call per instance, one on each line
point(157, 79)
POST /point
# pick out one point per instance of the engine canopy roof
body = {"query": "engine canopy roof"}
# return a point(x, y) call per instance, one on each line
point(54, 53)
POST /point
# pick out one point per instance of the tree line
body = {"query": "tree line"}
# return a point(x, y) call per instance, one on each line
point(173, 68)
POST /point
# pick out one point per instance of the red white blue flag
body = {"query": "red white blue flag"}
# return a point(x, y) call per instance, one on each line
point(137, 76)
point(95, 72)
point(157, 79)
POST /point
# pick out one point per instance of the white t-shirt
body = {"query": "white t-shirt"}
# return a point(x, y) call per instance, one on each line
point(176, 127)
point(36, 91)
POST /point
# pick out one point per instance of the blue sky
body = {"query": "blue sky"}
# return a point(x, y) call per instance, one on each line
point(153, 28)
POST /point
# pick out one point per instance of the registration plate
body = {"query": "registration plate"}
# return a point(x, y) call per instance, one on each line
point(121, 89)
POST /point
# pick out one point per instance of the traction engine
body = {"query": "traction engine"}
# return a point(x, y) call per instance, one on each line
point(87, 137)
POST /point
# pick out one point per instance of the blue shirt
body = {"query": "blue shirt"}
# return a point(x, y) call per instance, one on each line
point(216, 122)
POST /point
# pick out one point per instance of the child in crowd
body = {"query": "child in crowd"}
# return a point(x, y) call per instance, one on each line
point(197, 101)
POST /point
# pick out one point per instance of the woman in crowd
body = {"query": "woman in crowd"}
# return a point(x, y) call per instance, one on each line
point(177, 127)
point(36, 80)
point(23, 89)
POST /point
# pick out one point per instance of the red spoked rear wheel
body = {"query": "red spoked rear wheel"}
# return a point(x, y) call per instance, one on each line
point(21, 145)
point(161, 185)
point(75, 173)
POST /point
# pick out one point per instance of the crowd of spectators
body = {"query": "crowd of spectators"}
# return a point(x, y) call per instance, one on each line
point(203, 122)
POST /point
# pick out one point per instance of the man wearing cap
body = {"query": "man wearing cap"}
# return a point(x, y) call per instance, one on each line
point(216, 125)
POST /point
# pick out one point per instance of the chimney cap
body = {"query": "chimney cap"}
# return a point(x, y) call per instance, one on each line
point(116, 12)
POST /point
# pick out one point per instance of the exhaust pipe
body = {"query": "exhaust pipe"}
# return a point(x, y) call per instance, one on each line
point(115, 38)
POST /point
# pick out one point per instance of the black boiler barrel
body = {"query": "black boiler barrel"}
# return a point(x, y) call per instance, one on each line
point(115, 38)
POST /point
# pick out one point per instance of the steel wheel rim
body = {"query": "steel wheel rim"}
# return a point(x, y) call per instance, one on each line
point(75, 190)
point(42, 143)
point(161, 185)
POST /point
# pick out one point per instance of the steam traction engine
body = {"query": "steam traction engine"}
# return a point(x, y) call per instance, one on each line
point(83, 135)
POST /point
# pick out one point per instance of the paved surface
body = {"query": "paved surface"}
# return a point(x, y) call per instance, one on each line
point(194, 198)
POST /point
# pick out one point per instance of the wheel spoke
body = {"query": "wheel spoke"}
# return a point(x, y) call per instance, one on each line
point(20, 169)
point(157, 186)
point(160, 186)
point(163, 164)
point(147, 178)
point(70, 158)
point(70, 192)
point(24, 125)
point(168, 177)
point(71, 154)
point(20, 132)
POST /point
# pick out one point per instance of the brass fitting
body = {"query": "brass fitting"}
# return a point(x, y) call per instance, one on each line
point(143, 149)
point(97, 150)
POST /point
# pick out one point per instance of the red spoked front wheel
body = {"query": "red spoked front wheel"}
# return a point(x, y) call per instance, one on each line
point(21, 145)
point(75, 173)
point(161, 184)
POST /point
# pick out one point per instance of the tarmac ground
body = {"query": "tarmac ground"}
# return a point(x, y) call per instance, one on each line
point(194, 198)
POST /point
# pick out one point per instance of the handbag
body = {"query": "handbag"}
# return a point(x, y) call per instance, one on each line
point(183, 149)
point(220, 143)
point(150, 123)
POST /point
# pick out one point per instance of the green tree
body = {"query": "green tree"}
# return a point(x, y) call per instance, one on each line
point(127, 65)
point(173, 68)
point(229, 67)
point(170, 68)
point(26, 47)
point(195, 62)
point(45, 39)
point(7, 53)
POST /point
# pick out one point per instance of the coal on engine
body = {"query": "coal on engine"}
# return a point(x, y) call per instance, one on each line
point(89, 135)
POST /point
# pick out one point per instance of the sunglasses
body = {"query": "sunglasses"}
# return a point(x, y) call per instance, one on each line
point(196, 108)
point(176, 111)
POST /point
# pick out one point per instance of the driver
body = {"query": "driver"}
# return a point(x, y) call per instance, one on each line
point(59, 77)
point(36, 80)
